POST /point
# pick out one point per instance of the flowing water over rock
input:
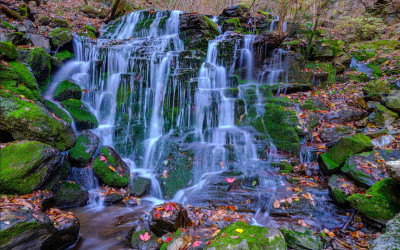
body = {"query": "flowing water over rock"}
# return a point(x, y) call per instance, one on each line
point(177, 117)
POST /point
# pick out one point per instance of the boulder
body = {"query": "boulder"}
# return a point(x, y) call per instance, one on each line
point(112, 199)
point(8, 51)
point(367, 168)
point(298, 237)
point(340, 188)
point(39, 41)
point(179, 240)
point(59, 23)
point(17, 38)
point(332, 134)
point(26, 120)
point(27, 166)
point(235, 11)
point(57, 111)
point(390, 239)
point(60, 37)
point(84, 149)
point(140, 186)
point(70, 195)
point(43, 20)
point(83, 118)
point(393, 169)
point(380, 203)
point(167, 217)
point(382, 117)
point(110, 168)
point(392, 102)
point(332, 160)
point(345, 115)
point(376, 89)
point(39, 62)
point(136, 243)
point(241, 235)
point(66, 90)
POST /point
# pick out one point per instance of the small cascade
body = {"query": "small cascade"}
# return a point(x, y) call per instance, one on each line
point(275, 70)
point(247, 58)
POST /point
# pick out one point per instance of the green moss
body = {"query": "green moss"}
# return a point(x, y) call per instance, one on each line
point(64, 55)
point(381, 202)
point(363, 54)
point(281, 126)
point(67, 90)
point(325, 67)
point(257, 237)
point(81, 115)
point(58, 112)
point(236, 22)
point(145, 23)
point(78, 152)
point(335, 45)
point(8, 26)
point(211, 26)
point(264, 13)
point(301, 238)
point(60, 36)
point(338, 195)
point(174, 236)
point(285, 167)
point(8, 51)
point(377, 87)
point(107, 175)
point(376, 70)
point(231, 92)
point(60, 23)
point(17, 229)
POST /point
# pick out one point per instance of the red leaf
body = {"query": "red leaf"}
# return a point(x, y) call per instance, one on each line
point(168, 240)
point(230, 180)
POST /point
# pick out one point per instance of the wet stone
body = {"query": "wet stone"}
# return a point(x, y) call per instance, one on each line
point(167, 217)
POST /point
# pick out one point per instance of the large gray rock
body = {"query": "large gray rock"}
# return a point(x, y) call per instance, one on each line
point(393, 169)
point(39, 41)
point(298, 237)
point(392, 102)
point(382, 117)
point(391, 238)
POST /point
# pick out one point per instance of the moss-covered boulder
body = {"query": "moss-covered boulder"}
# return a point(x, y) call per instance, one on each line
point(84, 149)
point(63, 55)
point(392, 102)
point(60, 37)
point(340, 188)
point(17, 78)
point(60, 23)
point(17, 38)
point(81, 115)
point(285, 167)
point(140, 186)
point(332, 160)
point(70, 195)
point(297, 237)
point(110, 168)
point(112, 199)
point(367, 168)
point(383, 117)
point(66, 90)
point(136, 243)
point(241, 235)
point(179, 240)
point(26, 120)
point(57, 111)
point(27, 166)
point(376, 87)
point(39, 61)
point(281, 125)
point(8, 51)
point(390, 239)
point(380, 203)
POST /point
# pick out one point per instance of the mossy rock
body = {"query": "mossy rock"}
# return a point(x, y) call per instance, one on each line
point(112, 199)
point(57, 111)
point(66, 90)
point(71, 195)
point(383, 117)
point(285, 167)
point(60, 37)
point(140, 186)
point(392, 102)
point(26, 120)
point(298, 237)
point(136, 243)
point(390, 239)
point(60, 23)
point(40, 63)
point(281, 126)
point(111, 170)
point(17, 38)
point(63, 55)
point(81, 115)
point(19, 80)
point(179, 240)
point(331, 161)
point(8, 51)
point(252, 237)
point(27, 166)
point(340, 188)
point(84, 149)
point(380, 203)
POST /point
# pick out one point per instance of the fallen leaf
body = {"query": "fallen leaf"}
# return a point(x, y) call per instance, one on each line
point(110, 167)
point(239, 230)
point(277, 204)
point(230, 180)
point(197, 243)
point(145, 237)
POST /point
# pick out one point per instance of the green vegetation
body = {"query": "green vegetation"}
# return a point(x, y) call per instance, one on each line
point(64, 55)
point(67, 90)
point(58, 112)
point(325, 67)
point(8, 51)
point(81, 115)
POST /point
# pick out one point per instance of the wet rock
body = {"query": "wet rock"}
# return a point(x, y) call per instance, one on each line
point(382, 117)
point(59, 23)
point(39, 61)
point(67, 90)
point(167, 217)
point(371, 105)
point(393, 169)
point(179, 240)
point(60, 37)
point(110, 168)
point(265, 43)
point(44, 199)
point(16, 38)
point(367, 168)
point(70, 195)
point(340, 188)
point(136, 243)
point(27, 166)
point(43, 20)
point(390, 239)
point(39, 41)
point(332, 134)
point(29, 26)
point(83, 118)
point(383, 141)
point(392, 102)
point(380, 203)
point(24, 229)
point(375, 90)
point(291, 88)
point(113, 199)
point(8, 51)
point(297, 237)
point(347, 115)
point(57, 111)
point(332, 160)
point(26, 120)
point(84, 149)
point(140, 186)
point(235, 11)
point(375, 132)
point(92, 12)
point(251, 237)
